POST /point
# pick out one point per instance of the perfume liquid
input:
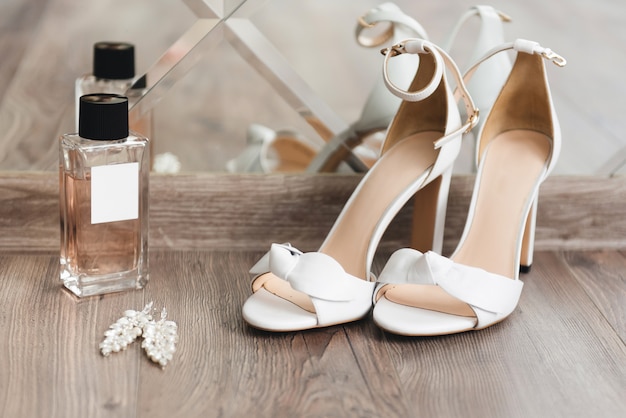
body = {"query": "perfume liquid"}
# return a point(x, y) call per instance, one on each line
point(104, 184)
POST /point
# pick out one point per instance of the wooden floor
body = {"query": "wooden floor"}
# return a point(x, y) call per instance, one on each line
point(562, 353)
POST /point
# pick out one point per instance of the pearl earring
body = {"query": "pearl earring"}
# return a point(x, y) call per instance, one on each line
point(125, 330)
point(159, 337)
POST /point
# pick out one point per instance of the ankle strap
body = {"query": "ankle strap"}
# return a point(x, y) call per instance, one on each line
point(386, 13)
point(421, 46)
point(519, 45)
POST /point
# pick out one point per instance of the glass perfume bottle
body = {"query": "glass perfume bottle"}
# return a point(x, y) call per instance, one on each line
point(104, 183)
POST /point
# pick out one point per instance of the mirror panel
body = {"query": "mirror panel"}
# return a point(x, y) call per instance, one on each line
point(235, 71)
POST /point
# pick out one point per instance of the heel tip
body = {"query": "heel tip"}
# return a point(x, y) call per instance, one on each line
point(524, 269)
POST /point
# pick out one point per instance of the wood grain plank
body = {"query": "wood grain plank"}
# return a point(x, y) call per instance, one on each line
point(555, 356)
point(29, 212)
point(249, 212)
point(224, 368)
point(386, 389)
point(449, 376)
point(582, 213)
point(191, 211)
point(601, 274)
point(573, 212)
point(580, 353)
point(50, 339)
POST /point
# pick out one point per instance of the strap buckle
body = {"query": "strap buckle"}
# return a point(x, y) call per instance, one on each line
point(472, 120)
point(393, 50)
point(554, 57)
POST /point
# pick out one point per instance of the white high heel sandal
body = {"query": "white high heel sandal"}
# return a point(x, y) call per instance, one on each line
point(478, 286)
point(295, 290)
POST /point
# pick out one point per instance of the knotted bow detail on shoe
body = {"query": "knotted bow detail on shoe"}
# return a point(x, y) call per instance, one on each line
point(337, 296)
point(314, 273)
point(490, 295)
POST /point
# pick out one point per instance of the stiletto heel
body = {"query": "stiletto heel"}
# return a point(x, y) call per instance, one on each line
point(294, 290)
point(478, 286)
point(429, 214)
point(528, 240)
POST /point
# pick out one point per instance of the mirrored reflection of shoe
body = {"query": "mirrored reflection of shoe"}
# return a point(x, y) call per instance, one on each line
point(359, 144)
point(270, 151)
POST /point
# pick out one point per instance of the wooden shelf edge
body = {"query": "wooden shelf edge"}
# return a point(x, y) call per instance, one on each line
point(248, 212)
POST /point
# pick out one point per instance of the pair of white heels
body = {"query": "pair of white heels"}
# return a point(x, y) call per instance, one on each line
point(425, 293)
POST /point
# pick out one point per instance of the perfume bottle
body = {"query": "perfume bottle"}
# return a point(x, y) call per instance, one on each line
point(104, 179)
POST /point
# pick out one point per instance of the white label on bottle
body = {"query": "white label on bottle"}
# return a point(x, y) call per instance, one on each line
point(114, 192)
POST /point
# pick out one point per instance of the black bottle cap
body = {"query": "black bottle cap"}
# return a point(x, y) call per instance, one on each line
point(114, 60)
point(103, 117)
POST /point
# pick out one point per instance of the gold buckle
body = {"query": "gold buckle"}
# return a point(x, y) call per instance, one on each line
point(554, 57)
point(394, 50)
point(472, 120)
